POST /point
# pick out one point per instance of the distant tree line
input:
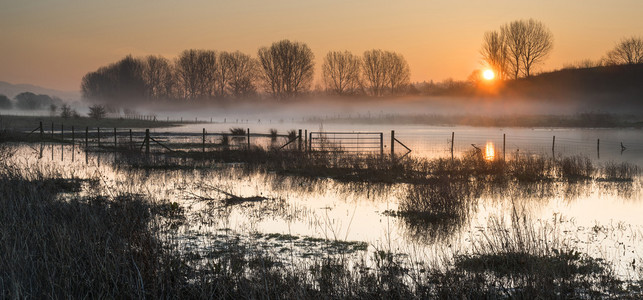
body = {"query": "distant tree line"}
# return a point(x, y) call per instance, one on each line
point(30, 101)
point(283, 70)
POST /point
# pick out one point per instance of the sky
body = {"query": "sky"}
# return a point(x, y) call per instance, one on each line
point(53, 43)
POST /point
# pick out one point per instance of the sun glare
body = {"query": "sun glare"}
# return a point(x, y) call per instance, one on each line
point(488, 74)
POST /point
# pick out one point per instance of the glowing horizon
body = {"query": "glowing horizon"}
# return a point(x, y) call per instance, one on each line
point(54, 43)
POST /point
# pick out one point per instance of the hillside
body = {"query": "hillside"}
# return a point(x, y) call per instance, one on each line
point(611, 88)
point(11, 90)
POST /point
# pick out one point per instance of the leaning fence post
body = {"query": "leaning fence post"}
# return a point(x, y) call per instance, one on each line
point(553, 144)
point(204, 140)
point(392, 144)
point(300, 141)
point(248, 138)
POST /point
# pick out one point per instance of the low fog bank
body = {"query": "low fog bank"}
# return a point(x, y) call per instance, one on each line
point(357, 108)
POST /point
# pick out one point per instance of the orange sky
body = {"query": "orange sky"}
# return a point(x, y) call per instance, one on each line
point(53, 43)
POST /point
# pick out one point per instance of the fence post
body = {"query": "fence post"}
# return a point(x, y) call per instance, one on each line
point(392, 144)
point(452, 141)
point(299, 142)
point(73, 143)
point(504, 139)
point(598, 148)
point(248, 138)
point(310, 141)
point(203, 140)
point(553, 144)
point(147, 141)
point(381, 145)
point(98, 137)
point(305, 140)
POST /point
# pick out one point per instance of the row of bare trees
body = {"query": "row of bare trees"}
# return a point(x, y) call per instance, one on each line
point(195, 74)
point(377, 73)
point(283, 70)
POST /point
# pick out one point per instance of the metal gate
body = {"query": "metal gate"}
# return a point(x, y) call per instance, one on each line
point(346, 142)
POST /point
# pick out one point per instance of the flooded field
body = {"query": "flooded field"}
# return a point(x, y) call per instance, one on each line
point(448, 222)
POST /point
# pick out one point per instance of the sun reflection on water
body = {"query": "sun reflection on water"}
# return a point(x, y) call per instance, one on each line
point(489, 151)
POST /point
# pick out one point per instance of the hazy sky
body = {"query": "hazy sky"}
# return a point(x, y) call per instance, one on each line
point(53, 43)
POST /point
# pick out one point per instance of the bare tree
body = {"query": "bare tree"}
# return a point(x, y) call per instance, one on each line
point(375, 75)
point(539, 42)
point(494, 53)
point(242, 74)
point(385, 71)
point(157, 73)
point(398, 72)
point(287, 68)
point(119, 82)
point(196, 72)
point(341, 73)
point(223, 75)
point(516, 48)
point(514, 37)
point(628, 51)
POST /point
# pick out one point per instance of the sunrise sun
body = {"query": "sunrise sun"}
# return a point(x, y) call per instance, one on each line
point(488, 74)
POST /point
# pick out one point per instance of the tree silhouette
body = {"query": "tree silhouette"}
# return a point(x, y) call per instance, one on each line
point(196, 73)
point(628, 51)
point(375, 71)
point(5, 102)
point(341, 73)
point(287, 68)
point(517, 48)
